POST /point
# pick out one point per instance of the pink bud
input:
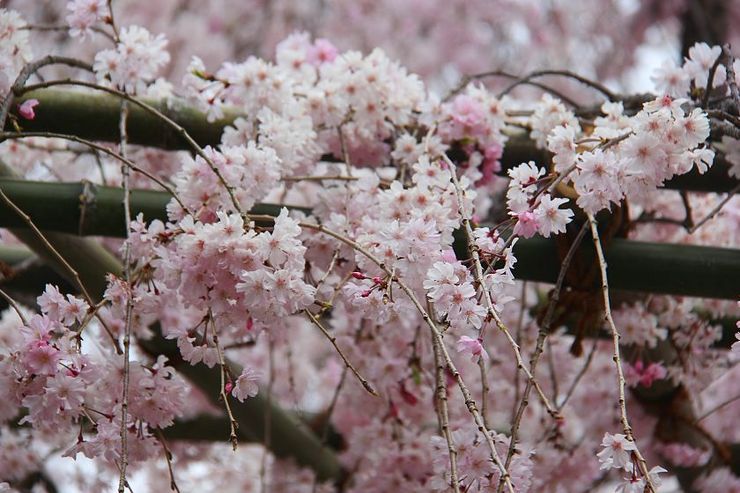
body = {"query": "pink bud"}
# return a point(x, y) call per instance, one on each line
point(228, 387)
point(408, 397)
point(365, 294)
point(377, 280)
point(26, 109)
point(392, 410)
point(358, 275)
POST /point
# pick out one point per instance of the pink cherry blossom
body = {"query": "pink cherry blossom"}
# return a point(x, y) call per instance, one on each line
point(42, 358)
point(526, 225)
point(617, 451)
point(85, 14)
point(550, 218)
point(246, 384)
point(471, 346)
point(356, 141)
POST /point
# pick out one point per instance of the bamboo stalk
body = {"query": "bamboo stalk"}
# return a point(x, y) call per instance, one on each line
point(94, 116)
point(86, 209)
point(685, 270)
point(90, 260)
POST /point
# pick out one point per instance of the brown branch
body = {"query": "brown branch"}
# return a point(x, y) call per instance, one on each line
point(641, 463)
point(27, 71)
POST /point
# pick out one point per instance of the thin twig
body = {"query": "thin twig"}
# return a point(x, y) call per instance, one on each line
point(717, 408)
point(580, 374)
point(345, 151)
point(500, 73)
point(541, 337)
point(519, 325)
point(731, 76)
point(478, 275)
point(467, 396)
point(168, 458)
point(641, 462)
point(72, 272)
point(563, 73)
point(332, 263)
point(327, 418)
point(42, 28)
point(233, 425)
point(365, 384)
point(111, 21)
point(552, 372)
point(710, 81)
point(15, 306)
point(27, 71)
point(129, 301)
point(268, 417)
point(443, 415)
point(716, 209)
point(320, 178)
point(291, 377)
point(485, 388)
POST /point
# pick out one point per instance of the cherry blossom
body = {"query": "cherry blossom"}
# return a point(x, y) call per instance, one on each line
point(85, 14)
point(617, 451)
point(394, 242)
point(246, 384)
point(136, 61)
point(472, 346)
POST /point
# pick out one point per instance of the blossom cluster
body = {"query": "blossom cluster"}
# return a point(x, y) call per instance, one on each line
point(45, 371)
point(135, 62)
point(84, 15)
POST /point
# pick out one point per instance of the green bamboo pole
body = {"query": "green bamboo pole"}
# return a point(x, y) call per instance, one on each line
point(86, 209)
point(683, 270)
point(95, 116)
point(686, 270)
point(89, 259)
